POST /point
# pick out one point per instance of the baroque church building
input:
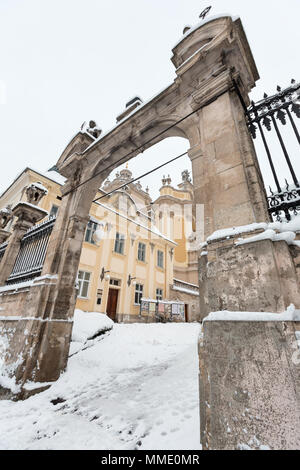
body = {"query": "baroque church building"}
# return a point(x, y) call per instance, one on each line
point(136, 251)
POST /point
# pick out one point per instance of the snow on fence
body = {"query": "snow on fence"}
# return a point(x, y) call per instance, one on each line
point(31, 257)
point(162, 310)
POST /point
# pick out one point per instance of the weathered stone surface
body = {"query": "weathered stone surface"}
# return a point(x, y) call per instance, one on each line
point(256, 277)
point(226, 175)
point(4, 235)
point(249, 385)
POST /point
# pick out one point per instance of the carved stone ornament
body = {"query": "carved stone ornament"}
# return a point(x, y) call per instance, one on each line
point(5, 216)
point(35, 192)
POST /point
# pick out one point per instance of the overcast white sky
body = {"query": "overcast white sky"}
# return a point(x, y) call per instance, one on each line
point(67, 61)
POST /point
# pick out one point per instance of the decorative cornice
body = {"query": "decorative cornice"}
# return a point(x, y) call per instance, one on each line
point(214, 86)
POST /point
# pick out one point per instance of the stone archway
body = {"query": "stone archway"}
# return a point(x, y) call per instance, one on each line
point(215, 71)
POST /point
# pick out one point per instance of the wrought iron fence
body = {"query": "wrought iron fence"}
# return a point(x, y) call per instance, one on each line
point(31, 257)
point(267, 114)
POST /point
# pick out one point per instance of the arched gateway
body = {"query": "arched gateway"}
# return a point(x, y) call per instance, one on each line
point(215, 71)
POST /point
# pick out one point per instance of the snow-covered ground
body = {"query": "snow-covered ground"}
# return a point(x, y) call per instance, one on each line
point(135, 387)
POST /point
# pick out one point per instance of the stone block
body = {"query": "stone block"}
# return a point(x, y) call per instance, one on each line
point(249, 385)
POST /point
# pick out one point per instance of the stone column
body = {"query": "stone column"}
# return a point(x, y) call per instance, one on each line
point(226, 175)
point(229, 187)
point(55, 299)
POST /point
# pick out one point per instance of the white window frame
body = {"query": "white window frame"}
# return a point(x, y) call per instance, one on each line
point(91, 228)
point(82, 281)
point(160, 259)
point(138, 293)
point(119, 243)
point(159, 293)
point(142, 252)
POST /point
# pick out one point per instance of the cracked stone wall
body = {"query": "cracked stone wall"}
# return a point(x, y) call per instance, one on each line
point(249, 385)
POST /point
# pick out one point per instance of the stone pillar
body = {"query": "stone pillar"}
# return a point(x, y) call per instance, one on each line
point(55, 300)
point(249, 385)
point(27, 215)
point(226, 176)
point(228, 185)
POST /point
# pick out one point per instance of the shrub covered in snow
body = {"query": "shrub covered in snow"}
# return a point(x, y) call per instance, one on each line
point(87, 325)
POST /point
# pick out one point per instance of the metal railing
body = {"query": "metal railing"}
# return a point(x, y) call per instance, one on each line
point(269, 113)
point(31, 256)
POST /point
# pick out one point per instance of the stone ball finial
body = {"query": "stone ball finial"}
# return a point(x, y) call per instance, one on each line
point(35, 192)
point(5, 216)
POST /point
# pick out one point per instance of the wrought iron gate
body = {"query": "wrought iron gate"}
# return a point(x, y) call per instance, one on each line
point(31, 256)
point(268, 113)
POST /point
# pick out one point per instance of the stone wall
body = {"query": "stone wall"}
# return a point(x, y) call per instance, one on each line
point(23, 331)
point(191, 300)
point(256, 277)
point(249, 385)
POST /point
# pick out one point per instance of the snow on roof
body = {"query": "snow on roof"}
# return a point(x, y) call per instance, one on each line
point(185, 290)
point(193, 55)
point(28, 204)
point(186, 283)
point(39, 186)
point(145, 103)
point(202, 23)
point(54, 176)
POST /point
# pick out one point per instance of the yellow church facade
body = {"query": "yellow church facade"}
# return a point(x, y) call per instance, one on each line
point(128, 252)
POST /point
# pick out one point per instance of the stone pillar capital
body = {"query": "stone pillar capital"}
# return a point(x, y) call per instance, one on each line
point(27, 214)
point(4, 235)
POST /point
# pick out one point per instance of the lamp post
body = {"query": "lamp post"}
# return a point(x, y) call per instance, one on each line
point(102, 275)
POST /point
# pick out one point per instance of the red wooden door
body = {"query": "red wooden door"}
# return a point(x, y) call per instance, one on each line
point(112, 302)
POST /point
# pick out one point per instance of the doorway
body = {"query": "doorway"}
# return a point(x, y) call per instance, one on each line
point(186, 313)
point(112, 303)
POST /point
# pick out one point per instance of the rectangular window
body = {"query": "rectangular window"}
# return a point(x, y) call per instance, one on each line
point(138, 293)
point(115, 282)
point(54, 211)
point(99, 296)
point(160, 259)
point(83, 279)
point(159, 294)
point(119, 243)
point(90, 230)
point(142, 252)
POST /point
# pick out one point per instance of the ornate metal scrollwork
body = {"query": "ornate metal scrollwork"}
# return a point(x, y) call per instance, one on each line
point(286, 202)
point(205, 12)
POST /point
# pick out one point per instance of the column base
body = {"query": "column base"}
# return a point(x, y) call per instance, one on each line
point(249, 385)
